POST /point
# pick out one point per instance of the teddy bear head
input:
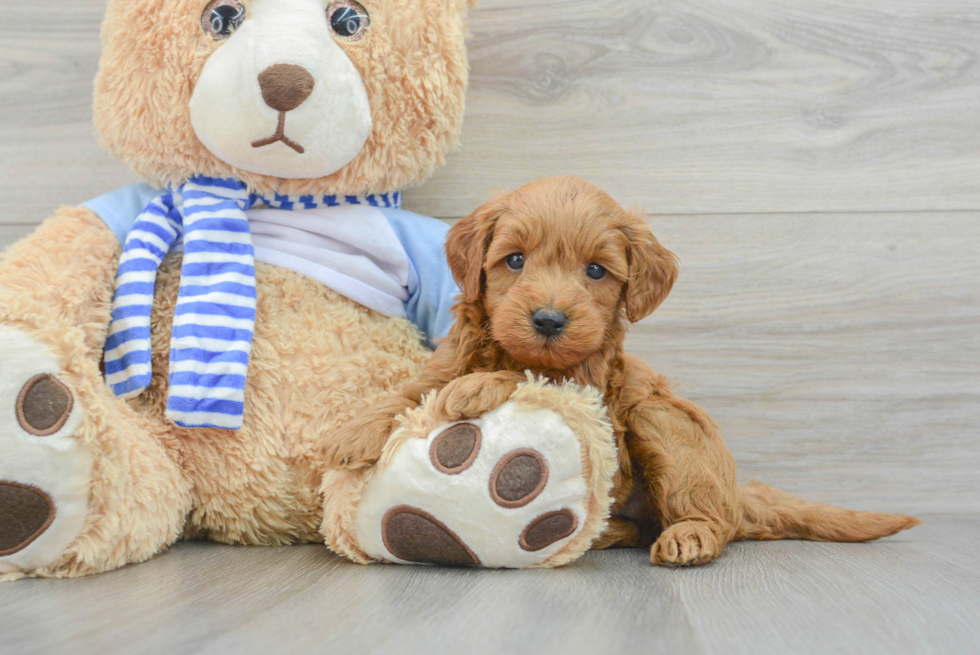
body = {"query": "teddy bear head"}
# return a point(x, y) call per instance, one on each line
point(294, 96)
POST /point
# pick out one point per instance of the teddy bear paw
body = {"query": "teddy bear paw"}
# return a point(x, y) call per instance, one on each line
point(514, 488)
point(44, 471)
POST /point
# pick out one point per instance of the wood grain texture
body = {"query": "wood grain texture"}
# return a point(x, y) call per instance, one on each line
point(49, 54)
point(918, 592)
point(839, 353)
point(725, 105)
point(12, 233)
point(698, 106)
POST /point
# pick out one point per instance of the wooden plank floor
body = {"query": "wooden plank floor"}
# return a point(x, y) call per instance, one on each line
point(914, 593)
point(816, 166)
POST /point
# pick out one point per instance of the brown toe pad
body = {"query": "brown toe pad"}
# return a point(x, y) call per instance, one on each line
point(548, 528)
point(414, 535)
point(25, 513)
point(43, 405)
point(518, 478)
point(454, 450)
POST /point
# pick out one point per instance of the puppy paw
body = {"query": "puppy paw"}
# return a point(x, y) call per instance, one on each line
point(357, 445)
point(508, 490)
point(44, 471)
point(688, 543)
point(476, 394)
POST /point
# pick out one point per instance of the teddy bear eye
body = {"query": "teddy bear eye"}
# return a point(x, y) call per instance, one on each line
point(595, 271)
point(222, 17)
point(515, 262)
point(349, 20)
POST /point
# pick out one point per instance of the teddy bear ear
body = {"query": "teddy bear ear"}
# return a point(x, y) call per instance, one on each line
point(652, 269)
point(466, 248)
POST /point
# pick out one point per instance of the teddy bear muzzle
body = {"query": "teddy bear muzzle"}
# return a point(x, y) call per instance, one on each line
point(281, 96)
point(284, 88)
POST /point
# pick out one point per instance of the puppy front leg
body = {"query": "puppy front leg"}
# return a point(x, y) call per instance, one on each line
point(471, 395)
point(691, 476)
point(358, 443)
point(619, 533)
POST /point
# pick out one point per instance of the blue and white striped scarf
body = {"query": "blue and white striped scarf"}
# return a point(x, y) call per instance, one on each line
point(214, 320)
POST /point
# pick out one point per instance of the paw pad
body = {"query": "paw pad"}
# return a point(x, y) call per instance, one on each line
point(25, 513)
point(45, 471)
point(518, 478)
point(43, 405)
point(414, 535)
point(454, 450)
point(503, 490)
point(547, 529)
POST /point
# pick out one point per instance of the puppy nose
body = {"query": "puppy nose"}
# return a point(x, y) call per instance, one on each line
point(549, 322)
point(285, 86)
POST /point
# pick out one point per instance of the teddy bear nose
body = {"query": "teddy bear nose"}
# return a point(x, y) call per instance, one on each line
point(285, 86)
point(549, 322)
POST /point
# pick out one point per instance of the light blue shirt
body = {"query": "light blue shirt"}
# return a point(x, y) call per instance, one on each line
point(430, 288)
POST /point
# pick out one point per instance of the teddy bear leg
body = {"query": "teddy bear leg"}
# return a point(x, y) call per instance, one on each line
point(524, 485)
point(85, 483)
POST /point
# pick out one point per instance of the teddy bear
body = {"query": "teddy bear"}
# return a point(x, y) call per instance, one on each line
point(174, 353)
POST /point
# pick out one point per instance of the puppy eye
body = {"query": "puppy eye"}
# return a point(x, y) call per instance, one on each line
point(221, 18)
point(349, 20)
point(595, 271)
point(515, 262)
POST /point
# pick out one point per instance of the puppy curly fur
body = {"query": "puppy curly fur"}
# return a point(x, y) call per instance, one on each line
point(676, 477)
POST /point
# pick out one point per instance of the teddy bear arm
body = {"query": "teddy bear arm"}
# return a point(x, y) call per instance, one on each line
point(68, 264)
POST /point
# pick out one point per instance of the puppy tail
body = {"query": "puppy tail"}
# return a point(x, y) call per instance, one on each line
point(768, 513)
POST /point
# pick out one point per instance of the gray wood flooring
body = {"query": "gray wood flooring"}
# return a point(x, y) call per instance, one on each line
point(816, 166)
point(915, 593)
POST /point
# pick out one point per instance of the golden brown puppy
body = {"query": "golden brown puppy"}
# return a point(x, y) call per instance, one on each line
point(550, 276)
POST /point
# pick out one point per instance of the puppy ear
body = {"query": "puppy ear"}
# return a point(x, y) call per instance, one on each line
point(652, 269)
point(466, 248)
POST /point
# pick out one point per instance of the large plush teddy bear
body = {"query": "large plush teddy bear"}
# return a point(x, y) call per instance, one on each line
point(173, 354)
